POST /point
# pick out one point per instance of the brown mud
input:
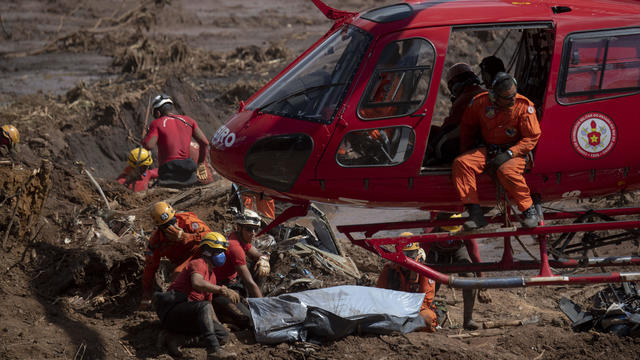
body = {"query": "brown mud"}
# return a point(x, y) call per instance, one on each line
point(76, 79)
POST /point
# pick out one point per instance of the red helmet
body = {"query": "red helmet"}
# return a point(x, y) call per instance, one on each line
point(458, 69)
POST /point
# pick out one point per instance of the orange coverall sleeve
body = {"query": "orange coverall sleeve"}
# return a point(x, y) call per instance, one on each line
point(529, 129)
point(382, 278)
point(151, 264)
point(426, 309)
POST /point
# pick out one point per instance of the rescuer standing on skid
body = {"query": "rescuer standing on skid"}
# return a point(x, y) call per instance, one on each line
point(397, 277)
point(509, 131)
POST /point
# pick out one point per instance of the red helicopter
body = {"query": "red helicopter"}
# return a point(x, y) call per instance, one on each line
point(307, 134)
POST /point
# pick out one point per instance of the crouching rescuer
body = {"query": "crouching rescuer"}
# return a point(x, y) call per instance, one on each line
point(236, 274)
point(185, 309)
point(397, 277)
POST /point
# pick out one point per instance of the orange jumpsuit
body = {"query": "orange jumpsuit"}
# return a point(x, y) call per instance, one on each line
point(392, 277)
point(264, 205)
point(179, 253)
point(516, 129)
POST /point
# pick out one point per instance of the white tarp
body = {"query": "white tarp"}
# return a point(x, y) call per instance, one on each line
point(331, 313)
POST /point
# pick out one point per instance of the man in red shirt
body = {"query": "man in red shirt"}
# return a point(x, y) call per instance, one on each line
point(136, 175)
point(240, 246)
point(172, 134)
point(176, 237)
point(397, 277)
point(186, 306)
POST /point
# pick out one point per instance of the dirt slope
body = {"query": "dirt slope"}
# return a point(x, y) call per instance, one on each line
point(76, 78)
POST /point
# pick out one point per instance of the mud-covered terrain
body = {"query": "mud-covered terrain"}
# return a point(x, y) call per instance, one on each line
point(76, 78)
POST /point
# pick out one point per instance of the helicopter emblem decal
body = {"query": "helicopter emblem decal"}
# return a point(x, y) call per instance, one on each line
point(593, 135)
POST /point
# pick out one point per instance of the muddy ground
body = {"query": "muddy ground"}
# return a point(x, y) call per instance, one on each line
point(76, 78)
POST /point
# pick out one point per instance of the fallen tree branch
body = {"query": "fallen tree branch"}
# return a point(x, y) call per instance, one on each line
point(95, 183)
point(13, 216)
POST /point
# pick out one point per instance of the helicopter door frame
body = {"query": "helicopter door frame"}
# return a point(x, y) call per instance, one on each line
point(352, 120)
point(515, 62)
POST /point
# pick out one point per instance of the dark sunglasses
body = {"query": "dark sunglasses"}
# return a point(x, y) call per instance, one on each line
point(506, 97)
point(251, 228)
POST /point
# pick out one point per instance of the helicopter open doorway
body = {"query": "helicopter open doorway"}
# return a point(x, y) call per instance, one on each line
point(525, 49)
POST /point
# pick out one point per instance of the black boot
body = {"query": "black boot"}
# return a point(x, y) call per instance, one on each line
point(476, 219)
point(469, 297)
point(530, 218)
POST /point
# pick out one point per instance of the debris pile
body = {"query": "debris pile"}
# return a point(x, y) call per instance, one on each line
point(615, 309)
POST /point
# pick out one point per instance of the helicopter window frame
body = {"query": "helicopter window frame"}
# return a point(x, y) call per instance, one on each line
point(563, 97)
point(374, 80)
point(330, 93)
point(377, 145)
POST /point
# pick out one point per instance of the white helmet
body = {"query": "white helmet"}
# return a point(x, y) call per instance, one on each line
point(160, 100)
point(248, 217)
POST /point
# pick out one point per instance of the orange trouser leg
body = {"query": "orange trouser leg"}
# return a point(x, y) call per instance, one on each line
point(511, 178)
point(464, 171)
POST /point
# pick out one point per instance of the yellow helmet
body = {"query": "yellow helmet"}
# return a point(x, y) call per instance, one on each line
point(411, 246)
point(139, 157)
point(453, 228)
point(11, 133)
point(406, 233)
point(162, 213)
point(214, 240)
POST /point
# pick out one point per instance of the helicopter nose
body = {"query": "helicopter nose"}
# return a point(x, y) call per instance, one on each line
point(244, 154)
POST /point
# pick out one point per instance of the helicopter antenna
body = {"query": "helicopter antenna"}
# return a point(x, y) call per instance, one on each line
point(331, 13)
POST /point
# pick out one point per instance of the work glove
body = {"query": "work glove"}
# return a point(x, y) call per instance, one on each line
point(231, 294)
point(173, 233)
point(262, 267)
point(201, 172)
point(498, 160)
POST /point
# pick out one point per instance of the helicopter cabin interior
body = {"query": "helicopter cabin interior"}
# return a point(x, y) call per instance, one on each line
point(400, 83)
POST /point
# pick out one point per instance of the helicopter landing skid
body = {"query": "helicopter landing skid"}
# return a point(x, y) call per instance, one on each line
point(390, 248)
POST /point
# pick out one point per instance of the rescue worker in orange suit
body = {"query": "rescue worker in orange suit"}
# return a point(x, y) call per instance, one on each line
point(8, 139)
point(185, 309)
point(464, 85)
point(136, 175)
point(397, 277)
point(509, 128)
point(457, 252)
point(231, 310)
point(172, 135)
point(176, 237)
point(489, 67)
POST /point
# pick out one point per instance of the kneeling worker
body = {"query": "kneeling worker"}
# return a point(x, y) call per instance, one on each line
point(186, 307)
point(397, 277)
point(176, 237)
point(136, 175)
point(240, 245)
point(172, 135)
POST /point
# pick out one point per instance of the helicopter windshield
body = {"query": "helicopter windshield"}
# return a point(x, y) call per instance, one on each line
point(314, 88)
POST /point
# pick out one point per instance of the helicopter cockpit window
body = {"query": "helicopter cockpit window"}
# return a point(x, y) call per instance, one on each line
point(400, 81)
point(314, 88)
point(600, 65)
point(376, 147)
